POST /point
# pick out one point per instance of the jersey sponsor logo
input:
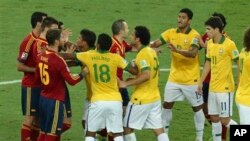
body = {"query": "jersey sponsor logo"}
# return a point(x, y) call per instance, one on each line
point(24, 56)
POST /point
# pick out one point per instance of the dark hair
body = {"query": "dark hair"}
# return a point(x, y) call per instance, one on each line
point(48, 21)
point(188, 12)
point(117, 26)
point(37, 17)
point(215, 22)
point(246, 40)
point(60, 24)
point(143, 33)
point(89, 36)
point(52, 35)
point(104, 41)
point(222, 17)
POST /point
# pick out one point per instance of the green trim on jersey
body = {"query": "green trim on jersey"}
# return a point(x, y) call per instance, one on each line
point(145, 68)
point(188, 30)
point(128, 66)
point(196, 46)
point(208, 59)
point(102, 51)
point(162, 40)
point(236, 59)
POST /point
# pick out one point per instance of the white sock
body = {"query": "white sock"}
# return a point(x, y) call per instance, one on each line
point(167, 116)
point(199, 121)
point(163, 137)
point(118, 138)
point(231, 122)
point(216, 131)
point(130, 137)
point(89, 138)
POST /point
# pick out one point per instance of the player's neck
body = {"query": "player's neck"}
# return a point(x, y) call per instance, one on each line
point(36, 31)
point(53, 48)
point(184, 29)
point(119, 38)
point(43, 35)
point(217, 38)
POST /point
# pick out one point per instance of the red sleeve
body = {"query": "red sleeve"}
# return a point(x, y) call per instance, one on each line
point(63, 69)
point(204, 37)
point(24, 48)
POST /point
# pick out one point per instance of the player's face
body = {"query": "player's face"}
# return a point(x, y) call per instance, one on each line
point(183, 20)
point(61, 42)
point(210, 32)
point(126, 30)
point(81, 44)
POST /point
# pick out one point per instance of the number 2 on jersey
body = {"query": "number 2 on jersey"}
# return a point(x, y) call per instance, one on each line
point(44, 75)
point(103, 71)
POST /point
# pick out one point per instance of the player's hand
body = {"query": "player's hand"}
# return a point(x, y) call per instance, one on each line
point(85, 71)
point(66, 33)
point(121, 84)
point(172, 47)
point(70, 48)
point(199, 89)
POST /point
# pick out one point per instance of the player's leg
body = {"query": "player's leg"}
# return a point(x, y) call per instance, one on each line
point(30, 105)
point(154, 121)
point(95, 119)
point(196, 101)
point(172, 93)
point(244, 114)
point(214, 111)
point(205, 90)
point(67, 112)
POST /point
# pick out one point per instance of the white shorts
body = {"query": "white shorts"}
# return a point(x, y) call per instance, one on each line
point(244, 113)
point(103, 114)
point(85, 109)
point(177, 92)
point(143, 116)
point(220, 104)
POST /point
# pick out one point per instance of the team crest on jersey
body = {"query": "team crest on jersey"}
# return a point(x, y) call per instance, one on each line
point(143, 63)
point(185, 41)
point(221, 51)
point(24, 56)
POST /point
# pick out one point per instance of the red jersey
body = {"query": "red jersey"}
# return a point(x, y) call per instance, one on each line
point(25, 56)
point(39, 45)
point(52, 72)
point(205, 38)
point(119, 48)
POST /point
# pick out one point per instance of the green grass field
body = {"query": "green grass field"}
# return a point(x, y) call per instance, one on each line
point(98, 16)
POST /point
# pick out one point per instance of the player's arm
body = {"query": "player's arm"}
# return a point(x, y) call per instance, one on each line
point(23, 68)
point(144, 76)
point(157, 43)
point(206, 70)
point(236, 60)
point(192, 52)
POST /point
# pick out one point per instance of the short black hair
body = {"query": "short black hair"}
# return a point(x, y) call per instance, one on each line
point(246, 40)
point(52, 35)
point(60, 24)
point(37, 17)
point(89, 36)
point(117, 26)
point(188, 12)
point(215, 22)
point(104, 41)
point(48, 21)
point(222, 17)
point(143, 34)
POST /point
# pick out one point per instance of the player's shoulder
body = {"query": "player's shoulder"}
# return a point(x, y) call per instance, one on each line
point(194, 32)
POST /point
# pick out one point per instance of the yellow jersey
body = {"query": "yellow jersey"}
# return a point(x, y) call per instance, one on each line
point(147, 92)
point(102, 73)
point(184, 70)
point(243, 91)
point(221, 56)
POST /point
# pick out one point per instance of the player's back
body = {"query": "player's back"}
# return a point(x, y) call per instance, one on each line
point(102, 70)
point(51, 69)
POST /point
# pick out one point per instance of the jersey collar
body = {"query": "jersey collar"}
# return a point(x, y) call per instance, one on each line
point(188, 30)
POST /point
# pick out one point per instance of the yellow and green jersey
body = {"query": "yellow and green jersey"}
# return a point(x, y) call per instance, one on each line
point(102, 74)
point(221, 55)
point(184, 70)
point(148, 91)
point(243, 91)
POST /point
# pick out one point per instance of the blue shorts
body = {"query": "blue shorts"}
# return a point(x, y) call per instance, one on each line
point(67, 111)
point(30, 100)
point(51, 115)
point(125, 96)
point(205, 91)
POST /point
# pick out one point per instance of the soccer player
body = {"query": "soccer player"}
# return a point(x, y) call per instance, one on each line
point(205, 88)
point(30, 90)
point(243, 91)
point(183, 42)
point(52, 72)
point(120, 46)
point(220, 53)
point(105, 108)
point(144, 108)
